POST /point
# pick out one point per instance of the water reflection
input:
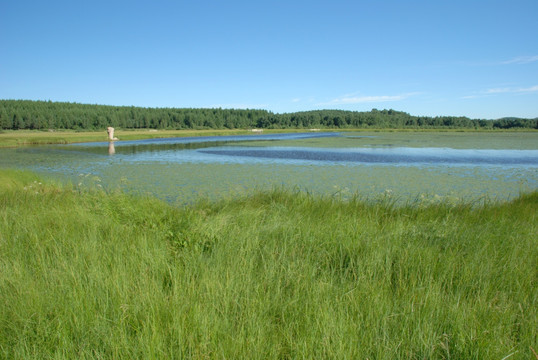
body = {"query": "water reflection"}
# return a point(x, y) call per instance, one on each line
point(400, 156)
point(185, 143)
point(111, 148)
point(221, 150)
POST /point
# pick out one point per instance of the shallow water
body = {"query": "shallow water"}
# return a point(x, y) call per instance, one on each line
point(390, 156)
point(184, 169)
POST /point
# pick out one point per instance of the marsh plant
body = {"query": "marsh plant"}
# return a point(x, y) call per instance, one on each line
point(273, 274)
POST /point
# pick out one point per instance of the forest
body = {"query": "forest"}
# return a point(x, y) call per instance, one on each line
point(44, 115)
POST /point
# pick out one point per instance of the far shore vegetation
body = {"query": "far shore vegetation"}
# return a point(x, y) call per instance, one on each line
point(44, 115)
point(93, 274)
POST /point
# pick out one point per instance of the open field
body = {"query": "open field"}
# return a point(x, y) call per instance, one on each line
point(89, 274)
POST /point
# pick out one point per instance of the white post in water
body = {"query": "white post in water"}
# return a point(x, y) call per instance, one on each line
point(110, 131)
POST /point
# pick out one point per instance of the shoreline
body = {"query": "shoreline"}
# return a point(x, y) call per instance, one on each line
point(21, 138)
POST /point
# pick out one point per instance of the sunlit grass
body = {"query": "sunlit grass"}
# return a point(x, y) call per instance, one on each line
point(94, 274)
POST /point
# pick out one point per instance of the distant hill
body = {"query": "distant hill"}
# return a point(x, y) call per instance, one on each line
point(26, 114)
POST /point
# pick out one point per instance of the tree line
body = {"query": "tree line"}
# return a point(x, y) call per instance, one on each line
point(43, 115)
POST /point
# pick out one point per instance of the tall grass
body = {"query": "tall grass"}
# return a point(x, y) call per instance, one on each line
point(89, 274)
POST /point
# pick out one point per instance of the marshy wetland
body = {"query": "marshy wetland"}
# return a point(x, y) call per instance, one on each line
point(462, 166)
point(330, 246)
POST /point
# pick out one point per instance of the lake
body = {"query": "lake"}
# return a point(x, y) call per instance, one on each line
point(406, 166)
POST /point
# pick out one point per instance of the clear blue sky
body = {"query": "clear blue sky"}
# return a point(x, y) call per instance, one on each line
point(471, 58)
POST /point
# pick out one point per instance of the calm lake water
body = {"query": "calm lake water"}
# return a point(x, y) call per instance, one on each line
point(374, 165)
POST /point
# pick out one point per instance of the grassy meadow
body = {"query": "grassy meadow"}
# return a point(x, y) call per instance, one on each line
point(275, 275)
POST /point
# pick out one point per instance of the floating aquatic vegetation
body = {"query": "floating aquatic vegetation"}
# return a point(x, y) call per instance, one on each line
point(216, 169)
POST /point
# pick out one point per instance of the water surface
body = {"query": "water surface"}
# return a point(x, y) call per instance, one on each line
point(372, 165)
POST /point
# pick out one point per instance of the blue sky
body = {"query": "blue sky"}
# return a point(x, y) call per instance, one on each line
point(470, 58)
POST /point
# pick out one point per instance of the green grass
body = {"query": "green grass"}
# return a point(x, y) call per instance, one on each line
point(89, 274)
